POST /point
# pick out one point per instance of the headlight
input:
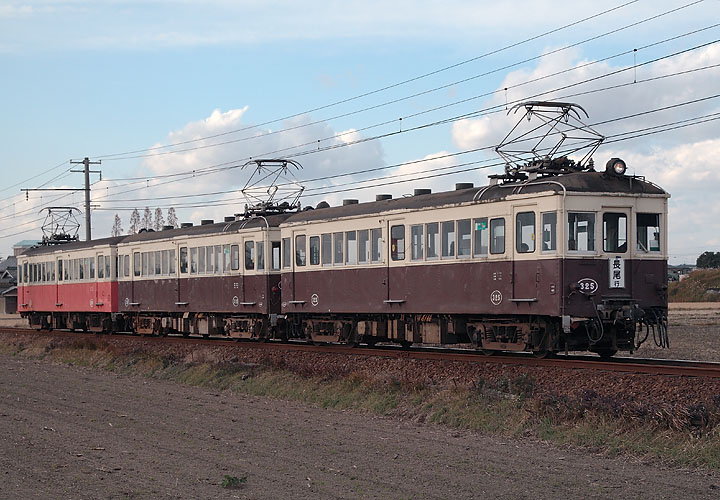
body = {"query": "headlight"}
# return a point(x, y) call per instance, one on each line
point(615, 166)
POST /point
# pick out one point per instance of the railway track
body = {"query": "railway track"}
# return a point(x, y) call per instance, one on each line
point(651, 366)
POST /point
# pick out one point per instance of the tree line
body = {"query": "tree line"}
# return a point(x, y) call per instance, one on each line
point(147, 222)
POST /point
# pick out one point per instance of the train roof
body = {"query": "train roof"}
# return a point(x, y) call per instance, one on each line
point(581, 182)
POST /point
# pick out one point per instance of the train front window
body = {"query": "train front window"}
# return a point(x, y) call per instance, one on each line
point(581, 232)
point(614, 232)
point(549, 231)
point(525, 232)
point(648, 232)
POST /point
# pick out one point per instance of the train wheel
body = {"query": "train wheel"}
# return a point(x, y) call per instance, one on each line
point(607, 353)
point(543, 353)
point(405, 344)
point(488, 352)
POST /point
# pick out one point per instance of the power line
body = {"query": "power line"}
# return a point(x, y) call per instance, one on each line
point(395, 85)
point(418, 94)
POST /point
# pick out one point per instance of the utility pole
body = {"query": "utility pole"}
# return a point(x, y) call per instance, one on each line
point(87, 172)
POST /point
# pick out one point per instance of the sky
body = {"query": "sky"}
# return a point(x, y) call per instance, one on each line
point(369, 97)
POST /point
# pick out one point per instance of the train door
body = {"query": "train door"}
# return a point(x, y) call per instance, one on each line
point(525, 251)
point(58, 280)
point(133, 299)
point(298, 261)
point(182, 297)
point(397, 250)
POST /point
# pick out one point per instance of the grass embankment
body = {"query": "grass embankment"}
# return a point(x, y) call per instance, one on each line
point(694, 287)
point(507, 408)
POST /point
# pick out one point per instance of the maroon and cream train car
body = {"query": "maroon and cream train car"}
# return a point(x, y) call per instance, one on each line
point(212, 279)
point(72, 285)
point(575, 261)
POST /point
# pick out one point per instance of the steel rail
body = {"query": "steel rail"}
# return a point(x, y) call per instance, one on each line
point(649, 366)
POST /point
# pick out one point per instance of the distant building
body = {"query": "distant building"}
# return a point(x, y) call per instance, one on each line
point(679, 273)
point(23, 245)
point(8, 285)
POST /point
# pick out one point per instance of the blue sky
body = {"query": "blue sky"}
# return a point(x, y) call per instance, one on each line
point(95, 78)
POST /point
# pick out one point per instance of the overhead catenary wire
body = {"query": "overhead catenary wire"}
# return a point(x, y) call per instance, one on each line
point(424, 92)
point(398, 84)
point(496, 110)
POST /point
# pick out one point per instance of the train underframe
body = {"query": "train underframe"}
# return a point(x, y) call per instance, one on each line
point(615, 328)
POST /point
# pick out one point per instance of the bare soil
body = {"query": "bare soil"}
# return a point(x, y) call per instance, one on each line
point(70, 432)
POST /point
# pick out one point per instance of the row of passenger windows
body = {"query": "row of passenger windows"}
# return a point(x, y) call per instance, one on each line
point(460, 239)
point(67, 270)
point(327, 249)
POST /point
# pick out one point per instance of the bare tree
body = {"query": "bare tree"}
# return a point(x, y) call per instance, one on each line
point(147, 219)
point(172, 217)
point(134, 222)
point(159, 220)
point(117, 226)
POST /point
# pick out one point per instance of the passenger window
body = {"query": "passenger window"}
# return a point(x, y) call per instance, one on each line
point(249, 255)
point(581, 232)
point(275, 251)
point(363, 246)
point(397, 242)
point(151, 263)
point(338, 240)
point(210, 257)
point(433, 240)
point(107, 267)
point(260, 248)
point(326, 255)
point(464, 239)
point(90, 263)
point(416, 242)
point(300, 250)
point(525, 232)
point(614, 232)
point(314, 250)
point(101, 266)
point(183, 260)
point(376, 245)
point(136, 263)
point(497, 236)
point(480, 242)
point(172, 262)
point(648, 232)
point(549, 231)
point(286, 252)
point(235, 257)
point(448, 239)
point(82, 269)
point(164, 268)
point(351, 247)
point(202, 255)
point(193, 260)
point(158, 263)
point(226, 258)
